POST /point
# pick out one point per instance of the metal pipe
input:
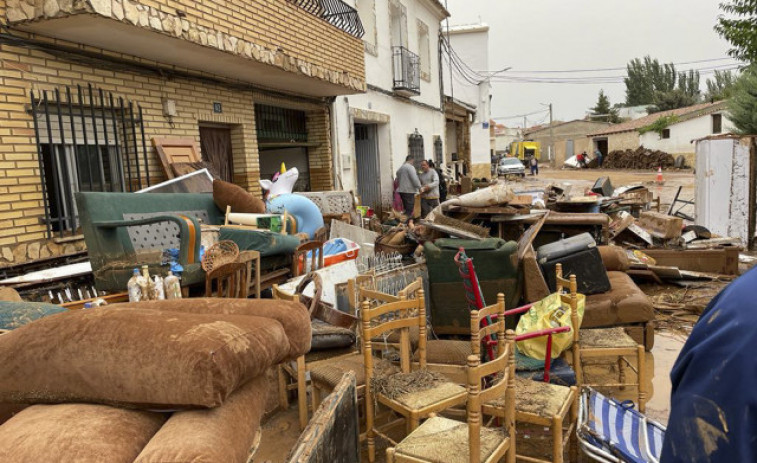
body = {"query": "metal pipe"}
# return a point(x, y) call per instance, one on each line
point(41, 162)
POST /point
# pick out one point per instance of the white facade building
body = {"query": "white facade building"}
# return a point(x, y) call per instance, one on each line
point(470, 44)
point(677, 138)
point(402, 111)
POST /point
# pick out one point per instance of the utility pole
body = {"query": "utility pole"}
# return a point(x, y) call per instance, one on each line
point(551, 136)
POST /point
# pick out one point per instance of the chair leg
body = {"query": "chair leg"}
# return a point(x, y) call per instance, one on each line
point(302, 392)
point(621, 372)
point(371, 446)
point(573, 440)
point(557, 447)
point(390, 455)
point(411, 423)
point(642, 376)
point(315, 396)
point(283, 399)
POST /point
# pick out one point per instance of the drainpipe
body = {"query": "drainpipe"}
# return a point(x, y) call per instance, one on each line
point(335, 156)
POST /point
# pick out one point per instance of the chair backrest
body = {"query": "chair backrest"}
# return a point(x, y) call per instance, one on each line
point(308, 265)
point(479, 333)
point(354, 285)
point(489, 381)
point(411, 291)
point(400, 315)
point(230, 281)
point(571, 298)
point(281, 295)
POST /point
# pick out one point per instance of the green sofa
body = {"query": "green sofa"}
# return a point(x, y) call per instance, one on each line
point(126, 230)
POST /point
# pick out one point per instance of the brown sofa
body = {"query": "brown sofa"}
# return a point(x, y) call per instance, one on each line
point(624, 305)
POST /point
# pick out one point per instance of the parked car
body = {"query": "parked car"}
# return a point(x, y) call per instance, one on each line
point(511, 166)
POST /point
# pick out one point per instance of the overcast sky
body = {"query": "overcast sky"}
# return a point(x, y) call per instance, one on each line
point(532, 35)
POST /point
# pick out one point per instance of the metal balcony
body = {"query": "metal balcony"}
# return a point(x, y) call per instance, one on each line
point(335, 12)
point(407, 72)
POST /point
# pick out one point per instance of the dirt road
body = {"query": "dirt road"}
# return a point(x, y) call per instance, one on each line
point(581, 179)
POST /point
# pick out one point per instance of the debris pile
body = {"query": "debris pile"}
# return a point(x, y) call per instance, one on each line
point(640, 158)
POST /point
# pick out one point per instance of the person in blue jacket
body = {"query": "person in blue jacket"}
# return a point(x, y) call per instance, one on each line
point(713, 415)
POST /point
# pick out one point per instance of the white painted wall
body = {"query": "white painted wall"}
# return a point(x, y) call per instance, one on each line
point(403, 115)
point(682, 134)
point(471, 43)
point(722, 187)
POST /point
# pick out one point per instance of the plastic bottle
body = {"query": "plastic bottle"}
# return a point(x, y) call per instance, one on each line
point(134, 288)
point(172, 286)
point(158, 289)
point(146, 285)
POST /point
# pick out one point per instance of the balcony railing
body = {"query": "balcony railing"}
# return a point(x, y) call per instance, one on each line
point(407, 72)
point(336, 13)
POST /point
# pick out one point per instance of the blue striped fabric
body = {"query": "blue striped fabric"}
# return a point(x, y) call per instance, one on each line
point(620, 430)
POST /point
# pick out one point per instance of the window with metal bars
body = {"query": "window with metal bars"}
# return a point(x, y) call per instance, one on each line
point(438, 151)
point(415, 147)
point(87, 140)
point(275, 124)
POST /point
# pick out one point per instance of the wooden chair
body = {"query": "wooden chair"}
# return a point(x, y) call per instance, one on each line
point(230, 281)
point(602, 343)
point(286, 369)
point(324, 376)
point(300, 258)
point(401, 316)
point(558, 401)
point(438, 438)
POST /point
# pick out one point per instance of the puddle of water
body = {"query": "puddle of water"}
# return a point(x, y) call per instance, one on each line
point(660, 361)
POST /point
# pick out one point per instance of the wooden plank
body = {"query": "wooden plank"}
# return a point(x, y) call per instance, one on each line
point(110, 299)
point(723, 261)
point(493, 210)
point(333, 434)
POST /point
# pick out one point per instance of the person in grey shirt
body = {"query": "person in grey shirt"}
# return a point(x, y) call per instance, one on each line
point(430, 189)
point(409, 184)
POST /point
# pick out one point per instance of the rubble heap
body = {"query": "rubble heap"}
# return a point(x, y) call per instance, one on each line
point(640, 158)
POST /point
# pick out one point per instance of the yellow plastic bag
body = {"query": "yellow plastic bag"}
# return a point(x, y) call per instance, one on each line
point(550, 312)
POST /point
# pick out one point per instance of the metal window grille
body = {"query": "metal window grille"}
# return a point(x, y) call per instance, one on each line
point(276, 124)
point(407, 73)
point(335, 12)
point(438, 151)
point(415, 147)
point(87, 140)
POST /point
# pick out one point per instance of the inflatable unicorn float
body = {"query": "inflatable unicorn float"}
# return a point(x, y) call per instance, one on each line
point(280, 199)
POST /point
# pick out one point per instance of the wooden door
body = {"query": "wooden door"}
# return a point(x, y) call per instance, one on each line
point(215, 144)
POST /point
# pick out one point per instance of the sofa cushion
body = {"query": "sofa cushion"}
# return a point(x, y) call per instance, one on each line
point(625, 303)
point(228, 194)
point(614, 258)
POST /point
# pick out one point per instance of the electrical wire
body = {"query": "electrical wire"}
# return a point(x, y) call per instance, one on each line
point(473, 77)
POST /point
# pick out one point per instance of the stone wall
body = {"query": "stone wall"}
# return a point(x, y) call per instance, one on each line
point(274, 32)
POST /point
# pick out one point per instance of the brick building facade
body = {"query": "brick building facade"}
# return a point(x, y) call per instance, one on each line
point(213, 62)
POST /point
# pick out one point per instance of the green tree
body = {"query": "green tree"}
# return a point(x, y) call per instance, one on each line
point(650, 82)
point(738, 28)
point(688, 83)
point(719, 87)
point(742, 106)
point(647, 77)
point(602, 111)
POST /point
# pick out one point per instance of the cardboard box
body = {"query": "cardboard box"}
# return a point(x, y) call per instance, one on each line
point(660, 225)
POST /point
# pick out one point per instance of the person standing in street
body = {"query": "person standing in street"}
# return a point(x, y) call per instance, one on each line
point(409, 184)
point(598, 155)
point(442, 181)
point(534, 165)
point(430, 189)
